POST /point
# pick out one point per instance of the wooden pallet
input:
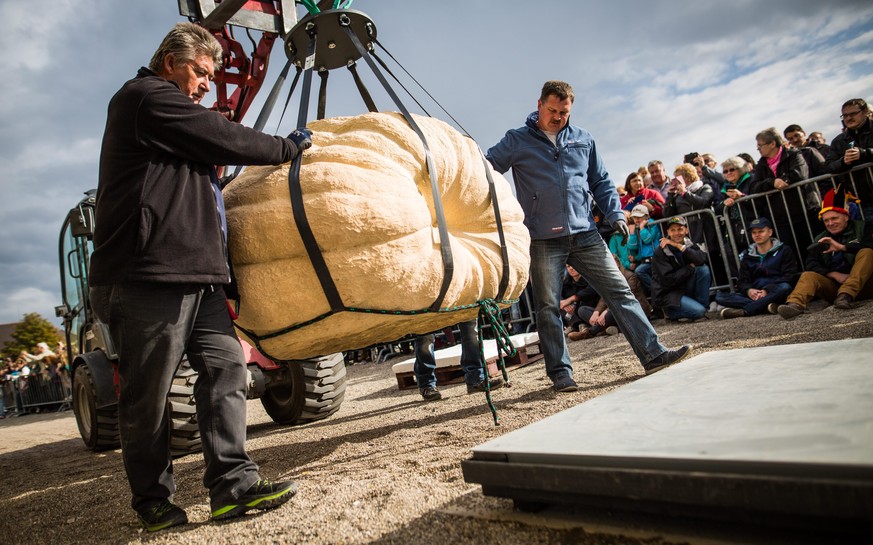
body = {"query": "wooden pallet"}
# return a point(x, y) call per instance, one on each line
point(453, 374)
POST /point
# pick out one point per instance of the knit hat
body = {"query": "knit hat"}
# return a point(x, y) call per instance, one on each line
point(836, 200)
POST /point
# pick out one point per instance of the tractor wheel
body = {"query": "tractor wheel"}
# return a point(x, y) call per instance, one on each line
point(184, 433)
point(315, 391)
point(98, 427)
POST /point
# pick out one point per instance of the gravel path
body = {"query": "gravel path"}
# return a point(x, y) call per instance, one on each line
point(385, 469)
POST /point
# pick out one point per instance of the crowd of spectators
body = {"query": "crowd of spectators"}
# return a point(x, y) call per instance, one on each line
point(796, 240)
point(35, 382)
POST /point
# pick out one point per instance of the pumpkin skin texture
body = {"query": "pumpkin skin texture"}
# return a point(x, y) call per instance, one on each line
point(368, 200)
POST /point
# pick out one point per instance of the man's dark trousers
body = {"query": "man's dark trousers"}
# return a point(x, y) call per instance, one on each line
point(153, 325)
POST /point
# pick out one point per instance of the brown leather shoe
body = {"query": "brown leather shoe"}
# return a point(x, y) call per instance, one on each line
point(582, 334)
point(844, 301)
point(789, 311)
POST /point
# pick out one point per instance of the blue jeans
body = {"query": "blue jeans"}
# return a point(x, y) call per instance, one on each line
point(471, 363)
point(153, 325)
point(587, 253)
point(695, 303)
point(776, 293)
point(644, 274)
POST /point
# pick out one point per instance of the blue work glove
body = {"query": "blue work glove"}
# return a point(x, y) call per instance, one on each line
point(621, 227)
point(302, 138)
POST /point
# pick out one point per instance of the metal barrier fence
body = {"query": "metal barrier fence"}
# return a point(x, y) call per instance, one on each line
point(792, 211)
point(22, 394)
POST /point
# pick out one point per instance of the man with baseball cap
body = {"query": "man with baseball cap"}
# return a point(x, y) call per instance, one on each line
point(768, 270)
point(681, 278)
point(839, 264)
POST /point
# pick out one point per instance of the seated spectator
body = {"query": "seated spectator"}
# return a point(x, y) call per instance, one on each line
point(641, 244)
point(781, 167)
point(854, 147)
point(839, 266)
point(680, 277)
point(767, 272)
point(659, 179)
point(686, 194)
point(638, 195)
point(617, 246)
point(575, 292)
point(597, 320)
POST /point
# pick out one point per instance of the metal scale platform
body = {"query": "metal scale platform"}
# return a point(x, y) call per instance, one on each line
point(779, 435)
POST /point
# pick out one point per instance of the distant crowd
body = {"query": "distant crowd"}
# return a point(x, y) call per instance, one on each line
point(35, 382)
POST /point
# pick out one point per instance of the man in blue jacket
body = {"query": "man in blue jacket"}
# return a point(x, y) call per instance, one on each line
point(158, 273)
point(768, 271)
point(556, 169)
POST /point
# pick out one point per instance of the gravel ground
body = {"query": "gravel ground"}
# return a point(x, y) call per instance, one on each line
point(385, 469)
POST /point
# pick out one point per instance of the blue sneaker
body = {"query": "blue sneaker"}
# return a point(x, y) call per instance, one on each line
point(667, 359)
point(565, 384)
point(261, 495)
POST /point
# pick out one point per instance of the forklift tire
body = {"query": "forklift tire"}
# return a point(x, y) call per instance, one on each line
point(98, 427)
point(315, 391)
point(184, 433)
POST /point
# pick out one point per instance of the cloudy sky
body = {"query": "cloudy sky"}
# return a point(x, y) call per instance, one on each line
point(653, 80)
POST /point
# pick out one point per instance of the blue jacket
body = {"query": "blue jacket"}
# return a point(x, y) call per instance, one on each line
point(760, 271)
point(555, 184)
point(642, 243)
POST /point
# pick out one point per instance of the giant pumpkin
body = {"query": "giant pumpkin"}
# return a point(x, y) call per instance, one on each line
point(368, 200)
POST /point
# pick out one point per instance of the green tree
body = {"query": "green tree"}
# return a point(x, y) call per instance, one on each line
point(31, 330)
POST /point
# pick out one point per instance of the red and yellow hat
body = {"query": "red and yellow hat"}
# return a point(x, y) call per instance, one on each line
point(836, 200)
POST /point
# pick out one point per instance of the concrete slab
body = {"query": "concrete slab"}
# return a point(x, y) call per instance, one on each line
point(780, 434)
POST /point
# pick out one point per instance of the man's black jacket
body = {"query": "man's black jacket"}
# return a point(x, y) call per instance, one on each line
point(157, 218)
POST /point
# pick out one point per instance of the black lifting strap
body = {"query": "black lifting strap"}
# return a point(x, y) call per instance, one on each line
point(445, 245)
point(267, 109)
point(322, 93)
point(504, 254)
point(296, 192)
point(362, 89)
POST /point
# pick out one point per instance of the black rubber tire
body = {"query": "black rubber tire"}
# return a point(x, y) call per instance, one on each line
point(315, 391)
point(184, 432)
point(98, 427)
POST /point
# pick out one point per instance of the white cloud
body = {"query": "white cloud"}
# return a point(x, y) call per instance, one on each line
point(26, 300)
point(30, 31)
point(62, 153)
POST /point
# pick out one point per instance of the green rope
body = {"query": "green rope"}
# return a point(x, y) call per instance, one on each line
point(489, 313)
point(310, 6)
